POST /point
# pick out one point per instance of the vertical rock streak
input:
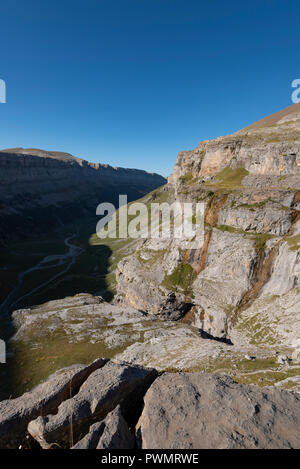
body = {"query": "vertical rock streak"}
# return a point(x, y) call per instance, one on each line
point(211, 218)
point(263, 268)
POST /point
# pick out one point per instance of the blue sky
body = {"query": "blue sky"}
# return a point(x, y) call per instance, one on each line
point(132, 82)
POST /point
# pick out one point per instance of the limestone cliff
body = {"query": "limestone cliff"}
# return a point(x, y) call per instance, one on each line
point(243, 284)
point(267, 148)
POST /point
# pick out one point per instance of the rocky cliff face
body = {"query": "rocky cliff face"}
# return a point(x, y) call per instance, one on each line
point(268, 148)
point(41, 189)
point(243, 284)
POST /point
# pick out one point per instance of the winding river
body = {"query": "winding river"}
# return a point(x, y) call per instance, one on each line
point(54, 260)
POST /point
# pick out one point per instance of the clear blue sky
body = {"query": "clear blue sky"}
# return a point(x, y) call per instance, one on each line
point(132, 82)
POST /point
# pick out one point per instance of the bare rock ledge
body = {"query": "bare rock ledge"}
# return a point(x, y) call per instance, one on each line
point(115, 405)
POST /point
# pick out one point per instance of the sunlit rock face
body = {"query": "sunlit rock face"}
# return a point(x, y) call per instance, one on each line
point(268, 147)
point(250, 185)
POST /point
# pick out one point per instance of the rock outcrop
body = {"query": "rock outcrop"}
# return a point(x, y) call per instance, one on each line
point(249, 183)
point(268, 148)
point(116, 383)
point(197, 411)
point(82, 326)
point(15, 414)
point(120, 406)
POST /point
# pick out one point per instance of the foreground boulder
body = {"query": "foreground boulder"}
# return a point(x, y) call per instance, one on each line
point(116, 383)
point(15, 414)
point(111, 433)
point(101, 407)
point(198, 410)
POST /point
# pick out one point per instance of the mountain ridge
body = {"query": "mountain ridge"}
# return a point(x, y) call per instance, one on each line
point(36, 181)
point(67, 157)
